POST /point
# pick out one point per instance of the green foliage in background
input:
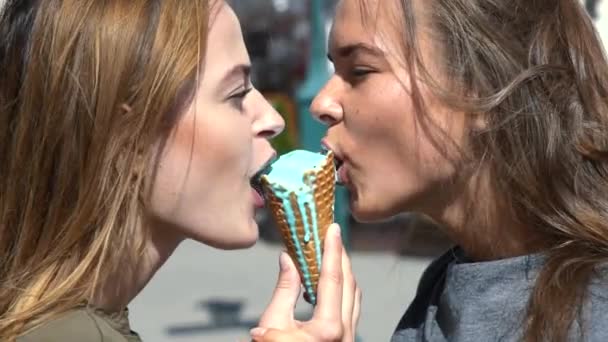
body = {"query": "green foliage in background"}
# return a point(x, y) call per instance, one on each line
point(288, 140)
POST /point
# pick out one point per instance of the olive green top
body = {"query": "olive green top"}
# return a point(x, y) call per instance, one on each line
point(84, 324)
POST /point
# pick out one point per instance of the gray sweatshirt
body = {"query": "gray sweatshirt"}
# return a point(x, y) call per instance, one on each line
point(462, 301)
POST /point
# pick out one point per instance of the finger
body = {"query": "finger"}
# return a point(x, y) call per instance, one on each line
point(257, 334)
point(279, 313)
point(357, 309)
point(329, 292)
point(275, 335)
point(348, 291)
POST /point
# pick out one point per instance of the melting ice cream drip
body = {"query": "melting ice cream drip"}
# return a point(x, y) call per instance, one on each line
point(293, 183)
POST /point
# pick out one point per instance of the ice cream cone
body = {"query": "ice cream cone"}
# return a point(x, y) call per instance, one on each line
point(303, 216)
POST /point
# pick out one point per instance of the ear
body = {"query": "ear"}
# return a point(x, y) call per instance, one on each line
point(479, 121)
point(126, 108)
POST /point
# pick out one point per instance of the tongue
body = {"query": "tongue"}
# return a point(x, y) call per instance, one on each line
point(258, 200)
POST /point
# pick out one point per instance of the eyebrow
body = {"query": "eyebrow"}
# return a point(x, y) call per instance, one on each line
point(353, 49)
point(237, 72)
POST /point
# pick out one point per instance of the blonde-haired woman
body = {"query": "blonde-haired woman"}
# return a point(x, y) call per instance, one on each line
point(126, 126)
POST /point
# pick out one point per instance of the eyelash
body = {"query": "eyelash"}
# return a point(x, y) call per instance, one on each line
point(239, 96)
point(360, 72)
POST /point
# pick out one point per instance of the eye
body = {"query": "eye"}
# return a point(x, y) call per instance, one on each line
point(360, 72)
point(236, 99)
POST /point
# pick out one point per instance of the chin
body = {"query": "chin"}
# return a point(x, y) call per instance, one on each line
point(237, 245)
point(371, 211)
point(245, 243)
point(368, 216)
point(247, 237)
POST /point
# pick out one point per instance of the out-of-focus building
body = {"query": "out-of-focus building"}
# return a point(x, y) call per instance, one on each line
point(277, 35)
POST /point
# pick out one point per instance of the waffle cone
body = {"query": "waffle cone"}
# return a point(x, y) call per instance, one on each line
point(323, 186)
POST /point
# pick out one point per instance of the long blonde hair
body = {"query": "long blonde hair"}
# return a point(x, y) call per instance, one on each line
point(87, 89)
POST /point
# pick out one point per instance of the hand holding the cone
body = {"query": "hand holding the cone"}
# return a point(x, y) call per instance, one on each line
point(337, 311)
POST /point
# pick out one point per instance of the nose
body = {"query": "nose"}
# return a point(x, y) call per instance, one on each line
point(326, 106)
point(267, 123)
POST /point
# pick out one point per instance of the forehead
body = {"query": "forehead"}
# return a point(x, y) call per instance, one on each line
point(225, 45)
point(372, 22)
point(349, 21)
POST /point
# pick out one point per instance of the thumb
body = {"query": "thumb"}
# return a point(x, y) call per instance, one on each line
point(279, 313)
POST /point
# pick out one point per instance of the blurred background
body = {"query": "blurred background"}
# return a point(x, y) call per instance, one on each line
point(203, 294)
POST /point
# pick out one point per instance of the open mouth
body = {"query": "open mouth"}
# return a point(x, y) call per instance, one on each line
point(338, 162)
point(256, 180)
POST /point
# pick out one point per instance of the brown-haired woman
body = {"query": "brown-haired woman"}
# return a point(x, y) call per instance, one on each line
point(491, 118)
point(126, 126)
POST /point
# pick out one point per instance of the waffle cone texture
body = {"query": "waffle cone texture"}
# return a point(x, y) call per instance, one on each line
point(311, 211)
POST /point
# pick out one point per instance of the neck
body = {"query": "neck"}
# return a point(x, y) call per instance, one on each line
point(120, 289)
point(490, 237)
point(484, 226)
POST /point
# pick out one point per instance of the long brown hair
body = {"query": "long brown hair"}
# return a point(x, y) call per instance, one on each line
point(87, 90)
point(537, 71)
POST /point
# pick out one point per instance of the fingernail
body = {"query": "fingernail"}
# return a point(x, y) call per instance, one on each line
point(337, 231)
point(283, 262)
point(257, 332)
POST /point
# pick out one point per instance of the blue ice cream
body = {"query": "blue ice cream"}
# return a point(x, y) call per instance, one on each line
point(292, 180)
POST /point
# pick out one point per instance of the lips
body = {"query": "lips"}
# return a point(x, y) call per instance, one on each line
point(341, 173)
point(256, 181)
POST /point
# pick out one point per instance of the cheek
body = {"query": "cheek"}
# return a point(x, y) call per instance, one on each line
point(384, 130)
point(443, 134)
point(179, 157)
point(379, 108)
point(222, 145)
point(201, 151)
point(380, 119)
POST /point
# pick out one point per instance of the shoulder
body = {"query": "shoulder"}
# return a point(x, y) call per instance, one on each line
point(430, 287)
point(596, 307)
point(76, 325)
